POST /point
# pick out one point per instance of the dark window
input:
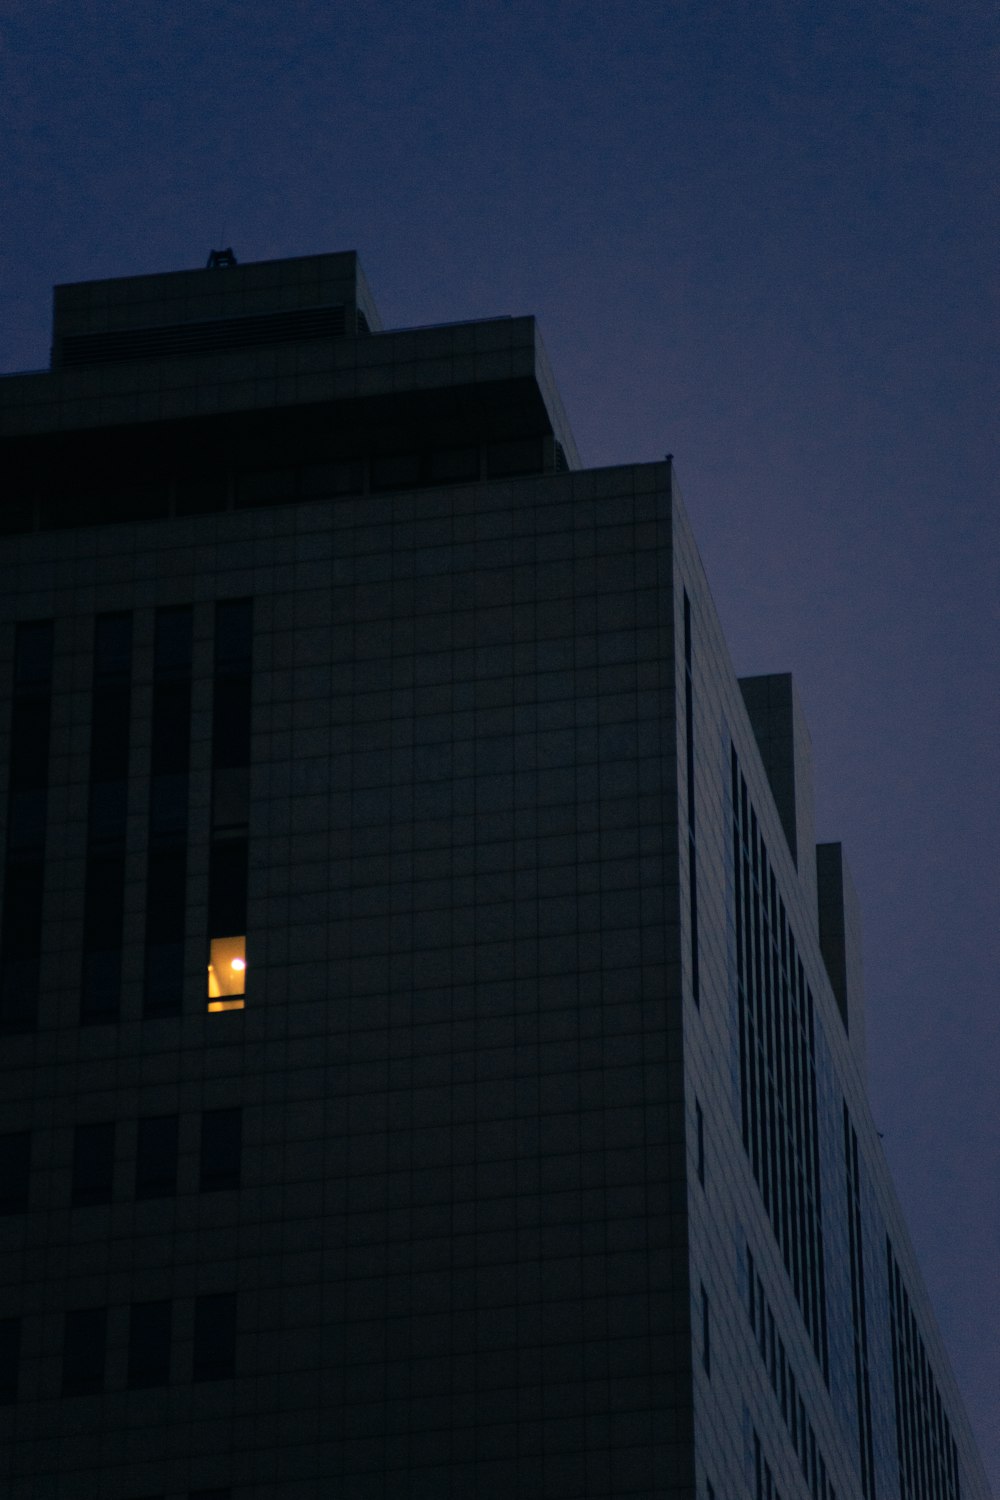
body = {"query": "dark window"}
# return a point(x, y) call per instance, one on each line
point(516, 456)
point(107, 813)
point(30, 724)
point(171, 750)
point(227, 888)
point(18, 994)
point(231, 721)
point(172, 651)
point(22, 910)
point(102, 911)
point(15, 1171)
point(221, 1148)
point(700, 1144)
point(166, 880)
point(109, 732)
point(100, 985)
point(706, 1334)
point(84, 1341)
point(232, 688)
point(233, 635)
point(102, 935)
point(166, 893)
point(112, 646)
point(346, 478)
point(10, 1358)
point(168, 806)
point(198, 495)
point(33, 653)
point(94, 1163)
point(214, 1336)
point(395, 471)
point(156, 1157)
point(26, 816)
point(164, 982)
point(230, 801)
point(149, 1344)
point(448, 465)
point(275, 487)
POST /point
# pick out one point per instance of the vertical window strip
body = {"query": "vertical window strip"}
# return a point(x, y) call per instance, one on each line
point(228, 855)
point(925, 1446)
point(27, 820)
point(764, 1485)
point(166, 873)
point(866, 1454)
point(104, 886)
point(781, 1375)
point(689, 758)
point(700, 1141)
point(779, 1103)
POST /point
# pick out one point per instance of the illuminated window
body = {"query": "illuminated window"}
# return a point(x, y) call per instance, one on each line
point(227, 973)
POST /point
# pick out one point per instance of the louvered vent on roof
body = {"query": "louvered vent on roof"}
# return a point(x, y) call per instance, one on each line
point(215, 336)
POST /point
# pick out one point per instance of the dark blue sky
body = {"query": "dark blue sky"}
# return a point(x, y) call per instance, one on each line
point(759, 237)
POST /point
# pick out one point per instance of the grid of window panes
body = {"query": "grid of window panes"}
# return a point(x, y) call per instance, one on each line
point(778, 1092)
point(928, 1456)
point(785, 1386)
point(866, 1452)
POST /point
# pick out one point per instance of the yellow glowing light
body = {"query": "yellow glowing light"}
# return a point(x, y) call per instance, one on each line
point(227, 973)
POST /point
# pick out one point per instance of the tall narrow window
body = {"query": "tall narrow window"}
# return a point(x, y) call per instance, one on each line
point(227, 898)
point(166, 888)
point(214, 1356)
point(94, 1163)
point(156, 1157)
point(221, 1148)
point(10, 1358)
point(689, 761)
point(15, 1171)
point(227, 916)
point(104, 900)
point(862, 1382)
point(27, 814)
point(149, 1344)
point(699, 1119)
point(84, 1343)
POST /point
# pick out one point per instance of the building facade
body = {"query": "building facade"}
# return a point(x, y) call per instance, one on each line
point(433, 1042)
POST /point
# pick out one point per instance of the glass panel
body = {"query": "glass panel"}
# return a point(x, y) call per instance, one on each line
point(221, 1148)
point(227, 973)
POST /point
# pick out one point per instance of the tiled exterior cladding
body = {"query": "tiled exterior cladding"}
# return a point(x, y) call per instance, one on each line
point(185, 297)
point(490, 1227)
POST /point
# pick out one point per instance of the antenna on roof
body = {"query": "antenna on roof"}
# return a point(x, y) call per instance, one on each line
point(217, 259)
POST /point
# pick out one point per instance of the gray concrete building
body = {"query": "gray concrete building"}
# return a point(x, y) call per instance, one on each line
point(433, 1044)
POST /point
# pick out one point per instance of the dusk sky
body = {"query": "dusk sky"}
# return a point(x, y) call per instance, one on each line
point(756, 236)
